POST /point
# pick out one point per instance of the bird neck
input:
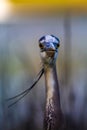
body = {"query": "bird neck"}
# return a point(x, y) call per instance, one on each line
point(53, 109)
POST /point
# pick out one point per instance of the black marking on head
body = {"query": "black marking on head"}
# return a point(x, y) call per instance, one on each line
point(42, 39)
point(56, 38)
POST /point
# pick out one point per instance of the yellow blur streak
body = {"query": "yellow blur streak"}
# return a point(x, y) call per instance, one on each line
point(58, 3)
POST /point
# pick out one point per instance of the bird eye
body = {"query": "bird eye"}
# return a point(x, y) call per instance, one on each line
point(41, 45)
point(57, 45)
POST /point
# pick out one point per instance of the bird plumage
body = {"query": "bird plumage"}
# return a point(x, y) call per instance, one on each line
point(49, 50)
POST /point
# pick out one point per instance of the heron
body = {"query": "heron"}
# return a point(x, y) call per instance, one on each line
point(48, 45)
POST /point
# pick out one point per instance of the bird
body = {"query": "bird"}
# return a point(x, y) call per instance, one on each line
point(49, 47)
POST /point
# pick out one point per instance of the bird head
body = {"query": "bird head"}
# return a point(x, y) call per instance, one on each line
point(49, 45)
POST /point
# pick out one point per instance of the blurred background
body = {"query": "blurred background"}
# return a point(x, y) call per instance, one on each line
point(22, 23)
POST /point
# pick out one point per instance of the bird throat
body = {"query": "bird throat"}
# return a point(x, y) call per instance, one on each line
point(52, 110)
